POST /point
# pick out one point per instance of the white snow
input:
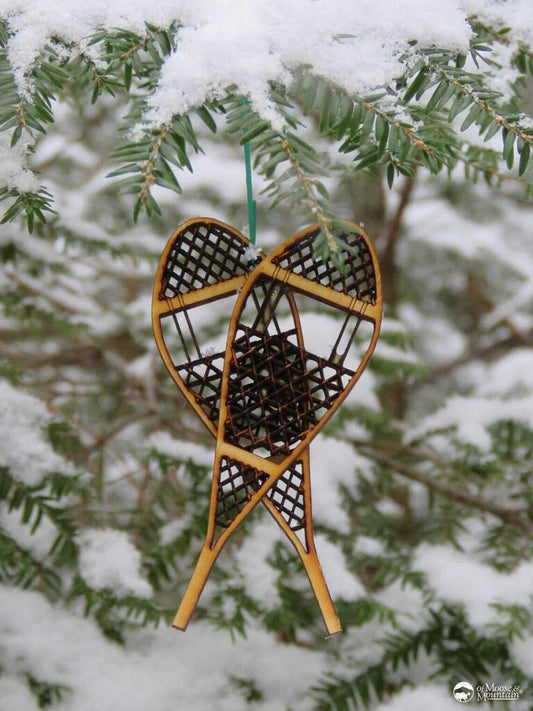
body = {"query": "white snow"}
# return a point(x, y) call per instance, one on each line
point(252, 43)
point(462, 579)
point(440, 341)
point(364, 545)
point(429, 696)
point(388, 507)
point(258, 576)
point(407, 603)
point(164, 443)
point(341, 581)
point(522, 651)
point(108, 559)
point(24, 449)
point(15, 694)
point(247, 43)
point(471, 416)
point(35, 22)
point(13, 160)
point(172, 530)
point(332, 462)
point(517, 14)
point(37, 544)
point(162, 669)
point(510, 376)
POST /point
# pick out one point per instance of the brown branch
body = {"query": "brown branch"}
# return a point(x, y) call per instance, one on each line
point(388, 259)
point(485, 353)
point(117, 427)
point(509, 516)
point(82, 355)
point(408, 131)
point(472, 94)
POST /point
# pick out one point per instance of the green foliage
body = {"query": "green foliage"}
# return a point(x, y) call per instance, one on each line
point(232, 609)
point(75, 333)
point(41, 500)
point(18, 567)
point(514, 621)
point(362, 611)
point(149, 162)
point(45, 693)
point(455, 649)
point(52, 499)
point(31, 205)
point(413, 123)
point(113, 613)
point(248, 689)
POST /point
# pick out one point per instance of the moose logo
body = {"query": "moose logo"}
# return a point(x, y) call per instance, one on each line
point(463, 691)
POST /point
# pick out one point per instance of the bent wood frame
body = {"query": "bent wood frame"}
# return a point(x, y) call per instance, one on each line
point(163, 307)
point(273, 467)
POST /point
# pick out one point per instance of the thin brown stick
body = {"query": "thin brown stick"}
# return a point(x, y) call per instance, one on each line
point(485, 353)
point(388, 259)
point(509, 516)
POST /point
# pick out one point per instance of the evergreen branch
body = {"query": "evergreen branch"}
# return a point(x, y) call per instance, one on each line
point(386, 456)
point(514, 621)
point(503, 36)
point(45, 692)
point(458, 650)
point(147, 168)
point(131, 54)
point(472, 161)
point(83, 64)
point(408, 131)
point(113, 612)
point(32, 206)
point(20, 568)
point(377, 134)
point(443, 72)
point(148, 161)
point(477, 97)
point(402, 647)
point(309, 186)
point(35, 502)
point(47, 76)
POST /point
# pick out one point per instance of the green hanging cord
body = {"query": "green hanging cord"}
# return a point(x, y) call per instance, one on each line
point(252, 204)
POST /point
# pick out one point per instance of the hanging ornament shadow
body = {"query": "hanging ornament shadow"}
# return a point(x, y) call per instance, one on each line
point(268, 394)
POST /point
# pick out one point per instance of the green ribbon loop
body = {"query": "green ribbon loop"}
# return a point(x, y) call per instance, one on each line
point(252, 204)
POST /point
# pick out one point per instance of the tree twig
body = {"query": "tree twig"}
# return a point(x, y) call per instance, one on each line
point(510, 516)
point(388, 259)
point(485, 353)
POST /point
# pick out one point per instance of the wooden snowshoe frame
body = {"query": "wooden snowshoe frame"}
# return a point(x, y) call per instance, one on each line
point(266, 396)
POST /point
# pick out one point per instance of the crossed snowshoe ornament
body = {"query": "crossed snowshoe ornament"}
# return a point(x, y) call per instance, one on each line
point(266, 395)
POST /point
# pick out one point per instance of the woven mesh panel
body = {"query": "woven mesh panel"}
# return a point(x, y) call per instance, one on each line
point(237, 484)
point(287, 495)
point(202, 377)
point(203, 254)
point(277, 391)
point(359, 279)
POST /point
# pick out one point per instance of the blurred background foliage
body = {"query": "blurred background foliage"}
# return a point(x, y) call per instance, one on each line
point(435, 444)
